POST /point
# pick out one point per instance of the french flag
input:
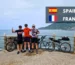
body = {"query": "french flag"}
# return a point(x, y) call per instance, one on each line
point(52, 18)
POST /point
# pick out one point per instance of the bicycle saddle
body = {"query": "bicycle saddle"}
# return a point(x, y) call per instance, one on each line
point(51, 39)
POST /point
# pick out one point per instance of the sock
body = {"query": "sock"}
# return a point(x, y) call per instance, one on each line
point(24, 48)
point(29, 49)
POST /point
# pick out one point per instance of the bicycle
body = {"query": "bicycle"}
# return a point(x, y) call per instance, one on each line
point(11, 44)
point(60, 44)
point(42, 41)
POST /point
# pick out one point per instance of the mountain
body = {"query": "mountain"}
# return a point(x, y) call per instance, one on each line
point(63, 26)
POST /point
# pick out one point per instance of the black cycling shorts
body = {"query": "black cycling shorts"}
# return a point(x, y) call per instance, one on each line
point(27, 39)
point(34, 40)
point(19, 41)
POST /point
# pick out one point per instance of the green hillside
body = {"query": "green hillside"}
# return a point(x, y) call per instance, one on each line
point(63, 26)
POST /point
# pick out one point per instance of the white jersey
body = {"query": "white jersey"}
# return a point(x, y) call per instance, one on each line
point(34, 33)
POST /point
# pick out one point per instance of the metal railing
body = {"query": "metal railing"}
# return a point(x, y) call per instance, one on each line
point(46, 43)
point(1, 42)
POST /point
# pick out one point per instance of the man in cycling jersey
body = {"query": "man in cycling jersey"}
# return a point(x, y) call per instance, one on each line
point(26, 37)
point(34, 33)
point(19, 38)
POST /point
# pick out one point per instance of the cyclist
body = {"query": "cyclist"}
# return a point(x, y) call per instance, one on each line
point(34, 32)
point(19, 38)
point(26, 37)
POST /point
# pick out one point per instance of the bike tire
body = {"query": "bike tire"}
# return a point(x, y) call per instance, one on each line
point(64, 47)
point(50, 45)
point(44, 44)
point(10, 47)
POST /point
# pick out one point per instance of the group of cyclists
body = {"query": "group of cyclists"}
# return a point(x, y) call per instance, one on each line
point(28, 38)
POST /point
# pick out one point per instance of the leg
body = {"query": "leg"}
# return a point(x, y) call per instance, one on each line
point(29, 46)
point(28, 41)
point(33, 40)
point(21, 47)
point(32, 47)
point(25, 41)
point(24, 46)
point(36, 47)
point(18, 48)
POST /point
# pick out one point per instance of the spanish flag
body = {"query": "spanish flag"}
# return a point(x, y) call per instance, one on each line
point(52, 10)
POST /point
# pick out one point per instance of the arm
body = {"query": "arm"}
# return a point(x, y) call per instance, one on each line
point(38, 32)
point(30, 29)
point(21, 32)
point(13, 31)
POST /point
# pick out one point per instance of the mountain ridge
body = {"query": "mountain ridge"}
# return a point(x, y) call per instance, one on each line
point(61, 26)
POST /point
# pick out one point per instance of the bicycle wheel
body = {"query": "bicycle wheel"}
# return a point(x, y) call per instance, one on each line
point(43, 44)
point(56, 46)
point(50, 45)
point(65, 47)
point(10, 47)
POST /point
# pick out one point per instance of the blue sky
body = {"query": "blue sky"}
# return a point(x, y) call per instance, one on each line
point(19, 12)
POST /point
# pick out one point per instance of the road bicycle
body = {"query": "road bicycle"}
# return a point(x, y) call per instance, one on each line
point(59, 44)
point(11, 44)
